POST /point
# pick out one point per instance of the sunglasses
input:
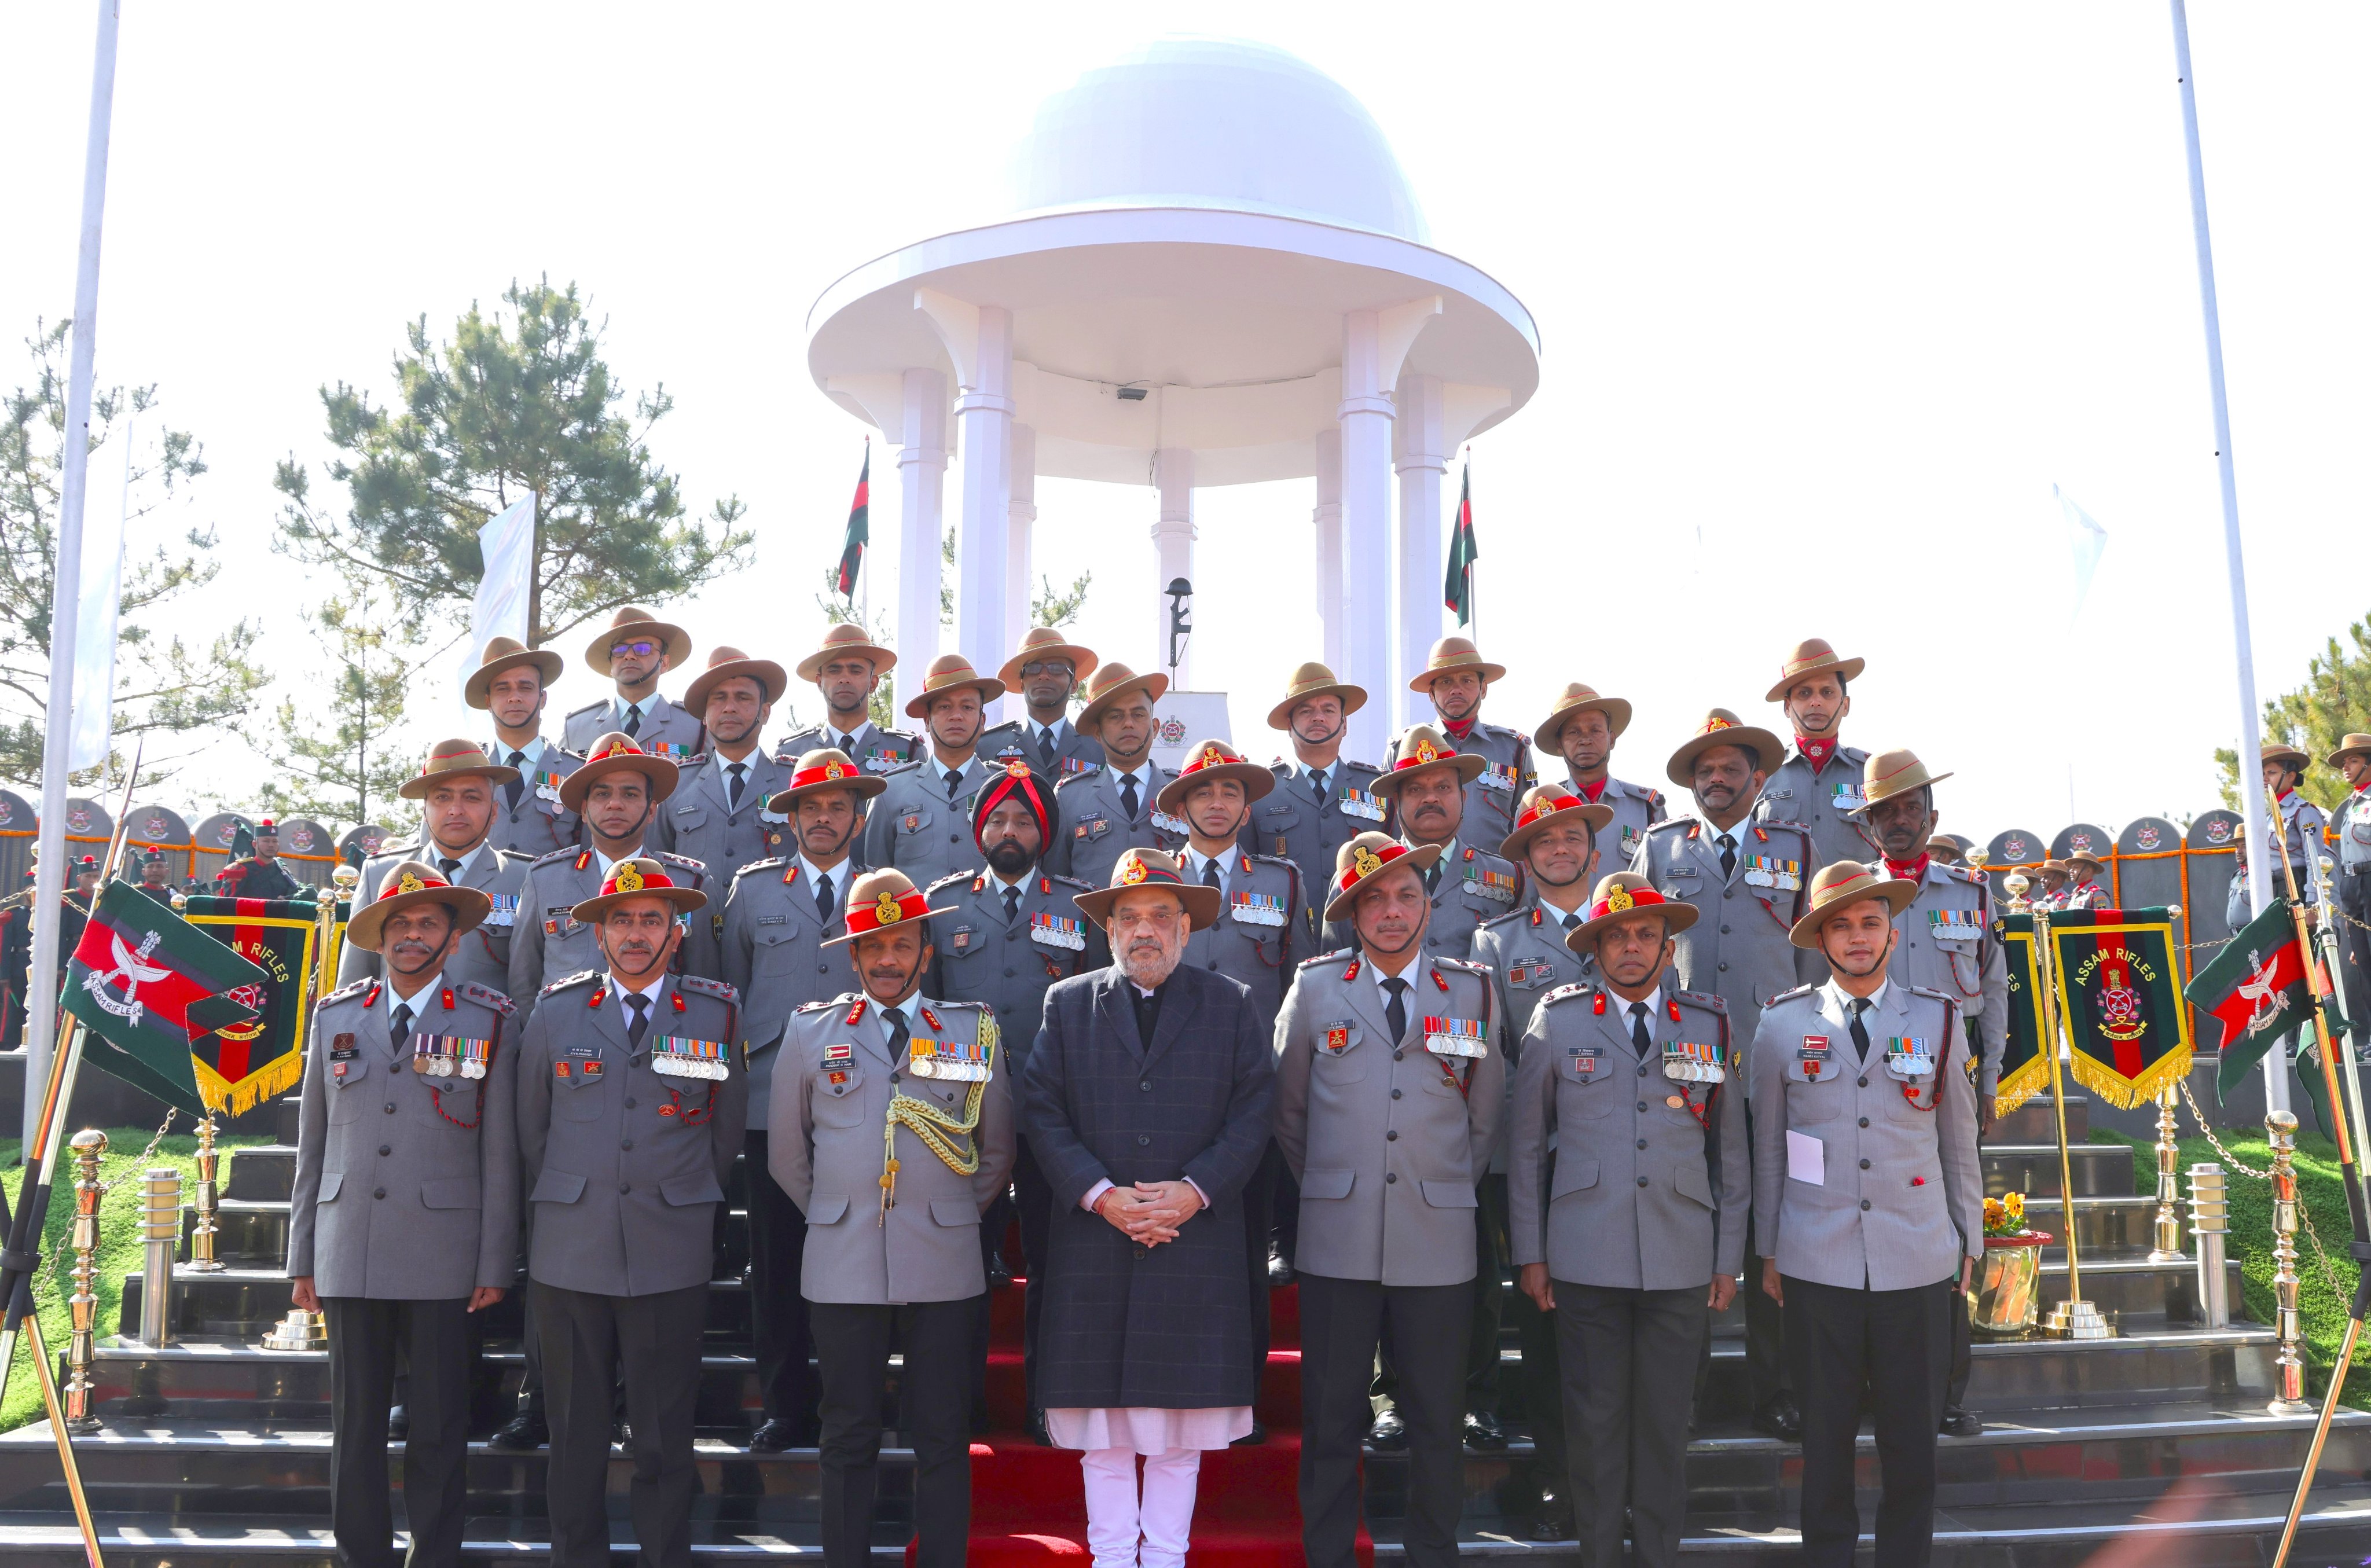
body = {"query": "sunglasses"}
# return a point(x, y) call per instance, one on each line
point(642, 648)
point(1047, 667)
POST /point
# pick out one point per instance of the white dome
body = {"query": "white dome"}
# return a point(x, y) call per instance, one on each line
point(1211, 123)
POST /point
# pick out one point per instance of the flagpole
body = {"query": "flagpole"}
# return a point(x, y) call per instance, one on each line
point(2235, 564)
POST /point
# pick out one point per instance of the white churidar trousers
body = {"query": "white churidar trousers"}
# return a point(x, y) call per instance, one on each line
point(1162, 1515)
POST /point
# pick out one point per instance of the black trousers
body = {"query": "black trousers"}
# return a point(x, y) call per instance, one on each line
point(2353, 887)
point(777, 1313)
point(1769, 1370)
point(365, 1337)
point(1491, 1248)
point(1625, 1410)
point(852, 1345)
point(1890, 1347)
point(1259, 1199)
point(1537, 1403)
point(1342, 1322)
point(1284, 1204)
point(656, 1339)
point(1035, 1199)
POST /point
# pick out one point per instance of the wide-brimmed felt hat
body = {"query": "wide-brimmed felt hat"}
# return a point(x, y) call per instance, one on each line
point(952, 672)
point(2354, 741)
point(1015, 778)
point(1138, 868)
point(1209, 762)
point(1722, 728)
point(1313, 679)
point(508, 653)
point(1812, 656)
point(2281, 751)
point(1112, 682)
point(829, 768)
point(633, 621)
point(454, 759)
point(1576, 699)
point(1366, 857)
point(637, 878)
point(1620, 896)
point(724, 663)
point(1847, 882)
point(845, 640)
point(1893, 773)
point(2048, 866)
point(1543, 804)
point(879, 900)
point(1045, 643)
point(1422, 747)
point(409, 883)
point(1450, 654)
point(1958, 844)
point(614, 753)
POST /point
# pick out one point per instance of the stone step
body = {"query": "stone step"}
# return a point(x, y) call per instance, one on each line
point(2100, 1170)
point(2036, 1122)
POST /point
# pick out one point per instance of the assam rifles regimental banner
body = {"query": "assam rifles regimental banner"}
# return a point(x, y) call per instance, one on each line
point(240, 1065)
point(2119, 999)
point(2024, 1071)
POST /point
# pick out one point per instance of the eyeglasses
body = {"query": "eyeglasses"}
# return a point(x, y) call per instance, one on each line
point(1047, 667)
point(642, 648)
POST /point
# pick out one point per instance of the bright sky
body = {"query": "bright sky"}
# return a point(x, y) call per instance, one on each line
point(1830, 297)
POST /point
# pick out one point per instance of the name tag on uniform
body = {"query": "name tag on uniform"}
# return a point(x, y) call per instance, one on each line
point(675, 1055)
point(1257, 908)
point(837, 1052)
point(1813, 1054)
point(1910, 1059)
point(1692, 1061)
point(1067, 931)
point(505, 910)
point(1359, 804)
point(1526, 976)
point(959, 939)
point(1335, 1039)
point(341, 1047)
point(1499, 887)
point(1093, 827)
point(773, 919)
point(960, 1061)
point(558, 921)
point(1455, 1037)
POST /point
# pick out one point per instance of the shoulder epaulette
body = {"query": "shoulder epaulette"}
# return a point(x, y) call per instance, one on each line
point(907, 766)
point(1566, 993)
point(686, 861)
point(1092, 770)
point(1274, 860)
point(487, 996)
point(568, 854)
point(1361, 766)
point(1803, 827)
point(814, 1007)
point(1442, 960)
point(565, 981)
point(1791, 996)
point(702, 985)
point(595, 706)
point(1934, 996)
point(1069, 881)
point(950, 880)
point(1334, 956)
point(1708, 1000)
point(1522, 737)
point(1964, 873)
point(1669, 823)
point(351, 988)
point(1509, 915)
point(771, 863)
point(696, 759)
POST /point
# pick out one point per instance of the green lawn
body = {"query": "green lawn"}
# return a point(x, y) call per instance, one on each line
point(119, 1243)
point(2322, 1313)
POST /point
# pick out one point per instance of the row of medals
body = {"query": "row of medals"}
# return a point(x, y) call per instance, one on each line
point(435, 1064)
point(673, 1064)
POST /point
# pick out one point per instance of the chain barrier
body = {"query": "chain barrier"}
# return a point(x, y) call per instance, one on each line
point(61, 1265)
point(2328, 1271)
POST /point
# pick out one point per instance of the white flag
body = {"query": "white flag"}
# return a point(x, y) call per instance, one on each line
point(2087, 540)
point(507, 543)
point(99, 598)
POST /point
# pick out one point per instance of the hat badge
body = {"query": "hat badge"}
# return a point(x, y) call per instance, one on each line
point(1133, 873)
point(1717, 723)
point(1426, 751)
point(1619, 900)
point(1016, 769)
point(885, 910)
point(1210, 757)
point(833, 770)
point(1365, 861)
point(630, 877)
point(410, 882)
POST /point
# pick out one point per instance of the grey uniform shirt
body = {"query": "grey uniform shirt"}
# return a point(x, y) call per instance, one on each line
point(1740, 947)
point(626, 1166)
point(923, 827)
point(1251, 941)
point(871, 747)
point(1021, 740)
point(1474, 886)
point(548, 943)
point(1948, 945)
point(1635, 809)
point(1093, 828)
point(1497, 793)
point(664, 729)
point(1308, 822)
point(2305, 840)
point(1649, 1184)
point(1387, 1136)
point(1010, 960)
point(773, 954)
point(703, 821)
point(832, 1096)
point(2352, 823)
point(1898, 1197)
point(538, 824)
point(1820, 801)
point(483, 955)
point(407, 1184)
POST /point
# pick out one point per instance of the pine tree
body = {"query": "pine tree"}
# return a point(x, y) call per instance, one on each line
point(343, 759)
point(2334, 703)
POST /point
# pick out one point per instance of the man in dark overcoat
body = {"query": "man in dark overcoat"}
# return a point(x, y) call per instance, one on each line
point(1147, 1099)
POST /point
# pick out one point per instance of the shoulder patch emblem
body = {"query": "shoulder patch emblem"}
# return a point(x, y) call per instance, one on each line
point(581, 978)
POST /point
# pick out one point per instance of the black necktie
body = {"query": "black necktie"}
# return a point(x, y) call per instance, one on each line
point(398, 1025)
point(633, 721)
point(822, 896)
point(1433, 879)
point(450, 867)
point(732, 782)
point(1728, 855)
point(1640, 1039)
point(1318, 784)
point(848, 746)
point(954, 781)
point(1859, 1032)
point(516, 787)
point(1011, 905)
point(1396, 1009)
point(1211, 873)
point(1128, 795)
point(1571, 918)
point(899, 1033)
point(638, 1018)
point(1046, 747)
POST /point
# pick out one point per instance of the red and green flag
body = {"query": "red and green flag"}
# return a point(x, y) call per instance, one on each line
point(860, 528)
point(1457, 592)
point(2256, 988)
point(146, 985)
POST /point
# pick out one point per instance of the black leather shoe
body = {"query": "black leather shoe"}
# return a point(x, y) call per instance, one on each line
point(1280, 1268)
point(1255, 1437)
point(399, 1423)
point(773, 1436)
point(1000, 1273)
point(1388, 1431)
point(1552, 1520)
point(1780, 1417)
point(622, 1433)
point(1958, 1422)
point(1482, 1431)
point(1037, 1429)
point(523, 1434)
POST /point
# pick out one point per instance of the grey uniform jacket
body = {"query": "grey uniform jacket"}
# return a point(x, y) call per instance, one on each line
point(1253, 940)
point(483, 955)
point(1900, 1197)
point(1635, 807)
point(1794, 793)
point(871, 748)
point(918, 827)
point(1738, 948)
point(1475, 886)
point(696, 822)
point(665, 729)
point(1525, 955)
point(538, 824)
point(2352, 823)
point(1387, 1138)
point(625, 1166)
point(407, 1184)
point(1091, 831)
point(832, 1098)
point(548, 943)
point(1015, 742)
point(773, 954)
point(1291, 823)
point(1648, 1185)
point(1948, 945)
point(1011, 964)
point(2305, 840)
point(1497, 793)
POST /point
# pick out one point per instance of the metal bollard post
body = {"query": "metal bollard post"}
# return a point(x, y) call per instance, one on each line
point(2288, 1367)
point(2168, 1248)
point(83, 1306)
point(204, 1232)
point(2210, 1222)
point(160, 1227)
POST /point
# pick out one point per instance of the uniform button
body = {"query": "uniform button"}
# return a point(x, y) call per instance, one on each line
point(391, 1107)
point(1146, 1086)
point(1864, 1121)
point(384, 1151)
point(1642, 1105)
point(1642, 1069)
point(1864, 1165)
point(1864, 1203)
point(627, 1144)
point(1724, 931)
point(1642, 1181)
point(892, 1077)
point(1140, 1252)
point(1390, 1177)
point(1392, 1136)
point(630, 1103)
point(624, 1188)
point(1009, 973)
point(1143, 1141)
point(1395, 1094)
point(1642, 1143)
point(1395, 1056)
point(379, 1192)
point(1863, 1083)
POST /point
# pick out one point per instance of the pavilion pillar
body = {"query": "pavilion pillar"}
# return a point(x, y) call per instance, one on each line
point(1020, 524)
point(978, 338)
point(1328, 518)
point(1173, 547)
point(1421, 462)
point(1375, 345)
point(921, 487)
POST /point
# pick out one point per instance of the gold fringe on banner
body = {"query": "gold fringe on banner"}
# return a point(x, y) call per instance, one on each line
point(2125, 1093)
point(275, 1078)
